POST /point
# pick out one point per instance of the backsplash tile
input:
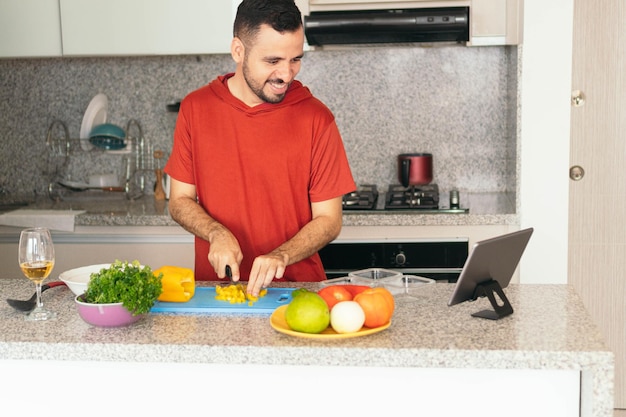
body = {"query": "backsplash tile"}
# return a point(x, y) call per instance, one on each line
point(458, 103)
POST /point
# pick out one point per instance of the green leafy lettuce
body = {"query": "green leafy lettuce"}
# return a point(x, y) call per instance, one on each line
point(133, 285)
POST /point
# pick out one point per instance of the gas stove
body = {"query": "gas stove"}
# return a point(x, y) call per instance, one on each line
point(423, 198)
point(412, 197)
point(364, 198)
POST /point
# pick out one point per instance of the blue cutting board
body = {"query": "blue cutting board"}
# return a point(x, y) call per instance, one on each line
point(204, 301)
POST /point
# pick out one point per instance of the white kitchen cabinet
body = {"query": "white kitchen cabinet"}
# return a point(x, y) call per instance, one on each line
point(30, 28)
point(47, 28)
point(146, 27)
point(90, 245)
point(496, 22)
point(517, 392)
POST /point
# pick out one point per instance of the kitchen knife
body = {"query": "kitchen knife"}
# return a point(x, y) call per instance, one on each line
point(229, 274)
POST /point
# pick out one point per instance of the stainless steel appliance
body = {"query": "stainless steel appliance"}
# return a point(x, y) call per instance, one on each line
point(387, 26)
point(422, 198)
point(469, 22)
point(439, 259)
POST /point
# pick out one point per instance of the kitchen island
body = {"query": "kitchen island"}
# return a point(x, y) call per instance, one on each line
point(548, 358)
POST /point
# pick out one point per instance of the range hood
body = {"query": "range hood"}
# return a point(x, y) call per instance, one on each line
point(376, 22)
point(449, 24)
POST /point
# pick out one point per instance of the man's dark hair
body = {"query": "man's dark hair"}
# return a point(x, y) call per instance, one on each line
point(281, 15)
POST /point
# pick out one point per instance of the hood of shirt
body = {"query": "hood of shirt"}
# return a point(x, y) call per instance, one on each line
point(295, 94)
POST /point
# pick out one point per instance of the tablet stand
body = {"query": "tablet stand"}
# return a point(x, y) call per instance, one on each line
point(489, 289)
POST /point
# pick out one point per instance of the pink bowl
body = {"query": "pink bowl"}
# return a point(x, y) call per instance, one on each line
point(106, 315)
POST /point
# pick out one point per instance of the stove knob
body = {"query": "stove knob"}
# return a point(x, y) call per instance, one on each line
point(400, 258)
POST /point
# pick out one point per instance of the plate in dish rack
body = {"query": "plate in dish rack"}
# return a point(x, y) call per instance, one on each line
point(96, 114)
point(278, 323)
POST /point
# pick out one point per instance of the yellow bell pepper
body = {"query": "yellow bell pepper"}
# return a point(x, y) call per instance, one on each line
point(236, 294)
point(179, 283)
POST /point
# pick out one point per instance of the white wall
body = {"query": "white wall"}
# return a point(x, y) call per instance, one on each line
point(545, 136)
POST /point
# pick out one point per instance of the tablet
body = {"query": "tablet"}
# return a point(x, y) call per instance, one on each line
point(488, 269)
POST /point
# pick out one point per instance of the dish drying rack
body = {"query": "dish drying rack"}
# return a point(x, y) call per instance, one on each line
point(138, 159)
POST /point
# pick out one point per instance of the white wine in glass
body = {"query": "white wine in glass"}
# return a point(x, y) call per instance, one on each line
point(36, 259)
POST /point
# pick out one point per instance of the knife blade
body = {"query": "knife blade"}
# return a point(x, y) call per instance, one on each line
point(238, 285)
point(229, 274)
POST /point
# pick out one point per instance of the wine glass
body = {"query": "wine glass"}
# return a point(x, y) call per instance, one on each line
point(36, 259)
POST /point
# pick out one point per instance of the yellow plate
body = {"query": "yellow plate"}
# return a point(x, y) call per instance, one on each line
point(278, 323)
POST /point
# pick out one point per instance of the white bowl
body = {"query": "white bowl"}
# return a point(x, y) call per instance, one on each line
point(78, 278)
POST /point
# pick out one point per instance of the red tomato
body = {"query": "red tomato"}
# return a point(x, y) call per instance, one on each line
point(378, 304)
point(356, 289)
point(333, 294)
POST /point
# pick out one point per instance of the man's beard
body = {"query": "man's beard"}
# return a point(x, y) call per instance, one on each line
point(258, 89)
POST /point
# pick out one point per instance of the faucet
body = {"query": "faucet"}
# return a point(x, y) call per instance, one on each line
point(58, 153)
point(138, 153)
point(134, 122)
point(60, 148)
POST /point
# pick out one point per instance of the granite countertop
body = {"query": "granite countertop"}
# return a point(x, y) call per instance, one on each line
point(549, 330)
point(114, 209)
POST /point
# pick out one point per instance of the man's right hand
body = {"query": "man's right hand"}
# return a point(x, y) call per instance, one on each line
point(225, 250)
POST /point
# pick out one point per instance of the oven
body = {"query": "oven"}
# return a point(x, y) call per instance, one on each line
point(439, 259)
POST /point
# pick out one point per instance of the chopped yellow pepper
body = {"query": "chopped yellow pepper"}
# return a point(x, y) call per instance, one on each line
point(236, 294)
point(178, 283)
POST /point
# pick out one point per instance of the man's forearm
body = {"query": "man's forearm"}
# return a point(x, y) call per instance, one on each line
point(311, 238)
point(193, 218)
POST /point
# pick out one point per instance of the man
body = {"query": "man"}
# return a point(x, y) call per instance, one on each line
point(258, 166)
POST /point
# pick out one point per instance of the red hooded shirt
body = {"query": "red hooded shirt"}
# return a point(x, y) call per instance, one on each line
point(257, 169)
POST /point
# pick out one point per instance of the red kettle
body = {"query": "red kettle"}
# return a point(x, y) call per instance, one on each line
point(415, 168)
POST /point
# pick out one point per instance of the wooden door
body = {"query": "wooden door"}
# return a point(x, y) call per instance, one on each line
point(597, 202)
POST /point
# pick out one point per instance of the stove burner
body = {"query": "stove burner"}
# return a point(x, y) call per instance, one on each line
point(413, 197)
point(364, 198)
point(397, 197)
